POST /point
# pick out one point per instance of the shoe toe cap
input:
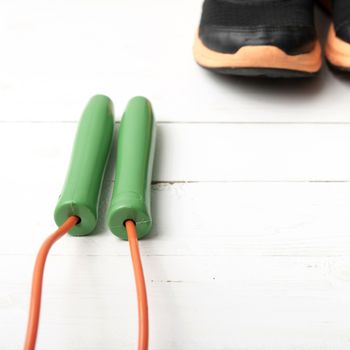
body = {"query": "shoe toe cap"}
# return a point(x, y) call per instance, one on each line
point(293, 41)
point(343, 32)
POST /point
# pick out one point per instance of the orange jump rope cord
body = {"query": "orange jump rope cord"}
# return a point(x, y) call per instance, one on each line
point(140, 285)
point(37, 282)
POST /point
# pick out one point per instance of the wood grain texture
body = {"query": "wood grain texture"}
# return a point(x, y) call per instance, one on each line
point(192, 152)
point(55, 56)
point(196, 302)
point(230, 264)
point(250, 248)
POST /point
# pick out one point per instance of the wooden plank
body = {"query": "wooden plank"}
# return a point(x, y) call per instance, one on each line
point(57, 63)
point(249, 218)
point(206, 303)
point(40, 153)
point(237, 219)
point(250, 245)
point(229, 265)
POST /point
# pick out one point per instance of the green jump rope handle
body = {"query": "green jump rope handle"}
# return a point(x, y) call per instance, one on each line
point(133, 176)
point(81, 192)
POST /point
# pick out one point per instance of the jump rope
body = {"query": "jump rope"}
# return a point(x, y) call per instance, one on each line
point(129, 215)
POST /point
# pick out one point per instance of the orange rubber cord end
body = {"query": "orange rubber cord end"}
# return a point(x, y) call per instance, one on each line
point(140, 285)
point(37, 282)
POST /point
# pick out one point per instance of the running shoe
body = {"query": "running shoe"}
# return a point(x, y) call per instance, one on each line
point(273, 38)
point(337, 48)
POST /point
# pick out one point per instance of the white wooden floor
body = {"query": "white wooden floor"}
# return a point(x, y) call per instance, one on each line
point(251, 198)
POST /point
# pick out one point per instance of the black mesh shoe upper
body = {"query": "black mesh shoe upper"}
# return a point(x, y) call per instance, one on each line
point(341, 13)
point(228, 25)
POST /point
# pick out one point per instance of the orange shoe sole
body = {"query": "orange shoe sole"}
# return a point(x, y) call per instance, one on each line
point(337, 51)
point(262, 60)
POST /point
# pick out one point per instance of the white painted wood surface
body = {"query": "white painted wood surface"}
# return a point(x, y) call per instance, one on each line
point(55, 54)
point(251, 194)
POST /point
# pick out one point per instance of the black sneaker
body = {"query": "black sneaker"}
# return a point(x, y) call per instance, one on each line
point(338, 42)
point(274, 38)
